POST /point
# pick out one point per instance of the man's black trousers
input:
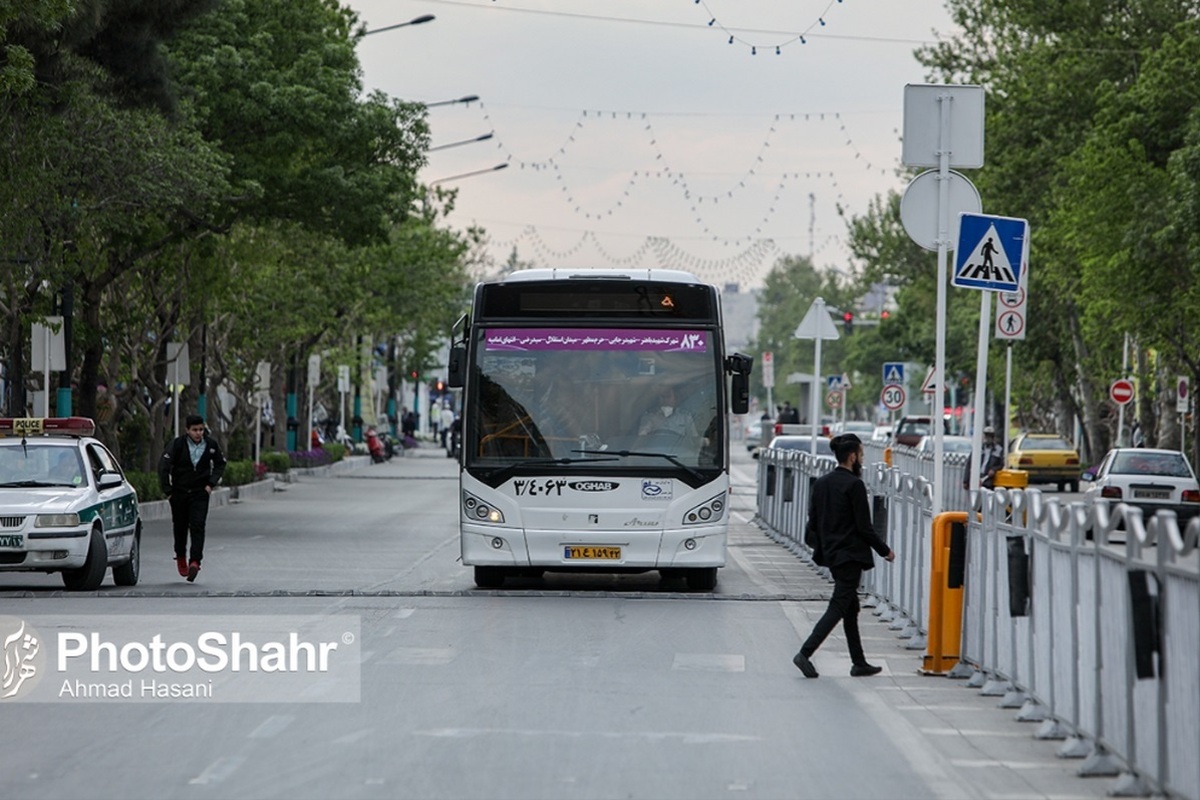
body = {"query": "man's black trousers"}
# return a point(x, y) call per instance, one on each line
point(189, 511)
point(843, 606)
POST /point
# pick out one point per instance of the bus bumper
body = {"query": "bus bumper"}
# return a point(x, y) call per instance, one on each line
point(698, 546)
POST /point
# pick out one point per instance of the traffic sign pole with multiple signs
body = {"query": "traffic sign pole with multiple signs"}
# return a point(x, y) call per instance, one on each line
point(990, 255)
point(931, 141)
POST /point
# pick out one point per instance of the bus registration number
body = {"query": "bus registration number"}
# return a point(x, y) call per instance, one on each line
point(592, 553)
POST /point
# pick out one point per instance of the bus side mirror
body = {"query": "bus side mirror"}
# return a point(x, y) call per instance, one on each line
point(739, 400)
point(740, 365)
point(456, 376)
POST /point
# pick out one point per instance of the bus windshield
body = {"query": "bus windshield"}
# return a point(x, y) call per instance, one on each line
point(595, 398)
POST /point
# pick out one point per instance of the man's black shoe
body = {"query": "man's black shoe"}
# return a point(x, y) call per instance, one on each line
point(804, 665)
point(865, 670)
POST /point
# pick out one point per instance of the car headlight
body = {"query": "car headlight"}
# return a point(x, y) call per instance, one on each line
point(708, 511)
point(56, 521)
point(476, 509)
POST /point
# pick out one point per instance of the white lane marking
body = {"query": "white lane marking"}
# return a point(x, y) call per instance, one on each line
point(972, 732)
point(976, 763)
point(685, 737)
point(709, 662)
point(421, 655)
point(219, 770)
point(271, 726)
point(356, 736)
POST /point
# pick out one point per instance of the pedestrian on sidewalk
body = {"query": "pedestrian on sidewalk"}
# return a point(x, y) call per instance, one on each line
point(841, 535)
point(189, 470)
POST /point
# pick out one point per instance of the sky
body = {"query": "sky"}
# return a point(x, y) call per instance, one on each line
point(636, 135)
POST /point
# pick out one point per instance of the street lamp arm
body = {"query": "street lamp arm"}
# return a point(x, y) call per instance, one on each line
point(471, 98)
point(414, 21)
point(482, 138)
point(496, 168)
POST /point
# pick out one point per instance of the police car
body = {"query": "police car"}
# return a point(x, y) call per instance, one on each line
point(65, 505)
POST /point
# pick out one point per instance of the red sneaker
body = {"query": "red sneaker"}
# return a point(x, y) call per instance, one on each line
point(182, 565)
point(192, 570)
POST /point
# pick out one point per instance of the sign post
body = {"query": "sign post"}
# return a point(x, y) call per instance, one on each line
point(343, 386)
point(991, 255)
point(930, 140)
point(816, 325)
point(768, 379)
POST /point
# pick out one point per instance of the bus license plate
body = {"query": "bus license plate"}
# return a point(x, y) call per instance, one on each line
point(592, 553)
point(12, 540)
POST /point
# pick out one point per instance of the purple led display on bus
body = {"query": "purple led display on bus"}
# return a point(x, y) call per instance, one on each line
point(596, 339)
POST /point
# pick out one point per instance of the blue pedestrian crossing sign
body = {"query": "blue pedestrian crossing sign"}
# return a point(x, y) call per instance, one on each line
point(990, 253)
point(893, 373)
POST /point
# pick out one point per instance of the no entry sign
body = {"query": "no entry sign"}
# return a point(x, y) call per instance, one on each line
point(1121, 391)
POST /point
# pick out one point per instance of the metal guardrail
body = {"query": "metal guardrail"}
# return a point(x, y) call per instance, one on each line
point(1096, 640)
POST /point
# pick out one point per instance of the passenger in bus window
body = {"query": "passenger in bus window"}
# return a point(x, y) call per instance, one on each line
point(666, 417)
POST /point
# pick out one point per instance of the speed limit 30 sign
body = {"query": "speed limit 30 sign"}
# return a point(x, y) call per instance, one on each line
point(892, 397)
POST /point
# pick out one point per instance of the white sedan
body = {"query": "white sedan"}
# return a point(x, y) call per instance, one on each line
point(65, 505)
point(1151, 480)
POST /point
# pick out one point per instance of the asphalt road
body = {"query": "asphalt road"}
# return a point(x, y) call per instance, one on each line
point(568, 687)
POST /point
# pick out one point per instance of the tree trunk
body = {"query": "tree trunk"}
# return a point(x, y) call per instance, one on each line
point(1094, 443)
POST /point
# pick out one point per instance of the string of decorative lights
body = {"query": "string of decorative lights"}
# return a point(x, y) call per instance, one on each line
point(749, 265)
point(679, 179)
point(801, 37)
point(662, 23)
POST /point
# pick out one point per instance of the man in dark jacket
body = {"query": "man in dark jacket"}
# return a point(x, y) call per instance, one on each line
point(188, 472)
point(840, 532)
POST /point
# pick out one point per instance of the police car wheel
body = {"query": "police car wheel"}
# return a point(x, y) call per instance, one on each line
point(127, 574)
point(89, 577)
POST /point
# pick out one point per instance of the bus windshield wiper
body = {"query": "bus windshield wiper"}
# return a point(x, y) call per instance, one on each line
point(667, 456)
point(505, 472)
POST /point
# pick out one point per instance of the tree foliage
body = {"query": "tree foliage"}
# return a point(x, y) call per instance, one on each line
point(188, 171)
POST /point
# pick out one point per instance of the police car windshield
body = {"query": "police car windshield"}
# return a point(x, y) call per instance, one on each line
point(37, 465)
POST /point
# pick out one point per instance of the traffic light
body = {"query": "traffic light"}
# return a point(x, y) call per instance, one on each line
point(440, 386)
point(848, 320)
point(885, 314)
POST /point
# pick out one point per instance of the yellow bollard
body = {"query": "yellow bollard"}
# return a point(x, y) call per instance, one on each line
point(945, 601)
point(1012, 478)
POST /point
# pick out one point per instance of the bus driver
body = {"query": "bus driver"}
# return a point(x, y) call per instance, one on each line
point(667, 417)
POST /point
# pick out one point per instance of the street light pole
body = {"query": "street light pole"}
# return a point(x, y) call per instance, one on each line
point(471, 98)
point(482, 138)
point(414, 21)
point(496, 168)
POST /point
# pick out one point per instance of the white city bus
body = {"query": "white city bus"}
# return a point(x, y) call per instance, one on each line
point(594, 425)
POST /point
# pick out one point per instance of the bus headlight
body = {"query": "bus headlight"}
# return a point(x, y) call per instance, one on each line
point(475, 508)
point(709, 510)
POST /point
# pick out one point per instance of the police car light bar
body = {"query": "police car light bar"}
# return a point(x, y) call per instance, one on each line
point(47, 426)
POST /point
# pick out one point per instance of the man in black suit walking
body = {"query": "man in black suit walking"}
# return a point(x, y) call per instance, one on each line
point(840, 533)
